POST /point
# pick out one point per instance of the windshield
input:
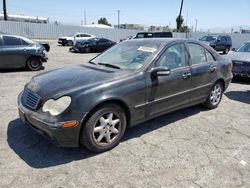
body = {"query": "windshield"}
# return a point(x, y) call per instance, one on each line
point(131, 54)
point(208, 38)
point(244, 48)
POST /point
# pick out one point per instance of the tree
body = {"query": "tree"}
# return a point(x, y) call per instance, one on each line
point(104, 21)
point(179, 22)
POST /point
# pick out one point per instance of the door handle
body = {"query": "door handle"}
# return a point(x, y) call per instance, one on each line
point(186, 75)
point(24, 49)
point(212, 68)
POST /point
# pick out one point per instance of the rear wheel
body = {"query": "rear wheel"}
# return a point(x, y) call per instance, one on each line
point(34, 64)
point(104, 129)
point(215, 96)
point(70, 43)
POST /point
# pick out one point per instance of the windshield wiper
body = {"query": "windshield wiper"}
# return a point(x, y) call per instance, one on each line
point(110, 65)
point(91, 62)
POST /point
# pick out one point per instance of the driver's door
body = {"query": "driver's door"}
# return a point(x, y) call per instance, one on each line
point(167, 93)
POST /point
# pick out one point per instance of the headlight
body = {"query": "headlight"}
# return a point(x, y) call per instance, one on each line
point(56, 107)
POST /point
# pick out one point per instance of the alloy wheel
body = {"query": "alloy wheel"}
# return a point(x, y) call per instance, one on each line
point(107, 128)
point(215, 95)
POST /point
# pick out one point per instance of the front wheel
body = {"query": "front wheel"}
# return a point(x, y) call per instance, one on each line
point(215, 96)
point(104, 129)
point(34, 64)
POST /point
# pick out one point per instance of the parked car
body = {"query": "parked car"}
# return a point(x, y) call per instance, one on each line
point(241, 60)
point(70, 40)
point(92, 45)
point(218, 42)
point(20, 52)
point(154, 35)
point(132, 82)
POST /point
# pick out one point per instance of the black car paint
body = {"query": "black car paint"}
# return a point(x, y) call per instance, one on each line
point(142, 95)
point(16, 56)
point(94, 44)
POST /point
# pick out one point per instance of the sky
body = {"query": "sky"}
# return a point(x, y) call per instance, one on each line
point(212, 15)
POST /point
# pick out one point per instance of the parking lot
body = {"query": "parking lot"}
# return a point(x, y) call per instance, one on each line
point(193, 147)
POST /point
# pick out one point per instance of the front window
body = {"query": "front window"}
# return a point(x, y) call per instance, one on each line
point(174, 57)
point(129, 55)
point(244, 48)
point(197, 54)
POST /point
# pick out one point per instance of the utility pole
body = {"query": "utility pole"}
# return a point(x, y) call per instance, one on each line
point(4, 10)
point(85, 19)
point(118, 11)
point(196, 25)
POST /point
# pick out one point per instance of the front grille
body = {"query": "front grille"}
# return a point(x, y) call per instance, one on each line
point(30, 99)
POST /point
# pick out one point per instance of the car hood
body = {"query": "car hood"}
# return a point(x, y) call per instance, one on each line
point(239, 56)
point(56, 83)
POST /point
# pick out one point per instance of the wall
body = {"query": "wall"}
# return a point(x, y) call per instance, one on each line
point(51, 31)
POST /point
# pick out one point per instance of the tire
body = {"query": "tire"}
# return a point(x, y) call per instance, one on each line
point(104, 129)
point(70, 43)
point(34, 64)
point(215, 96)
point(226, 50)
point(87, 50)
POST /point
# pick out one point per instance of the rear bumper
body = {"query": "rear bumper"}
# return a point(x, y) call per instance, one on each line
point(62, 41)
point(63, 137)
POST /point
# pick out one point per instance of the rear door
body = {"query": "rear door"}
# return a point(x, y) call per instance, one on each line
point(13, 52)
point(203, 70)
point(166, 93)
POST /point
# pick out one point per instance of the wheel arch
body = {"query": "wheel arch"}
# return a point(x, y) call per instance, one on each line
point(118, 102)
point(221, 80)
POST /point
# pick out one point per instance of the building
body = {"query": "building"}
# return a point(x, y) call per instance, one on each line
point(158, 28)
point(245, 31)
point(30, 19)
point(131, 26)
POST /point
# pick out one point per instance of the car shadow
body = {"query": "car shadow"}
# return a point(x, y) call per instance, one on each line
point(240, 96)
point(241, 80)
point(12, 70)
point(38, 152)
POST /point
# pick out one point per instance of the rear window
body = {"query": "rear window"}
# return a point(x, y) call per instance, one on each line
point(163, 35)
point(11, 41)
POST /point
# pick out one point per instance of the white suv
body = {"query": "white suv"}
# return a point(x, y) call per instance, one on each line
point(72, 39)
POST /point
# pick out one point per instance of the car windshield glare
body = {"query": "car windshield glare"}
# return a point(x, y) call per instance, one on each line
point(129, 55)
point(244, 48)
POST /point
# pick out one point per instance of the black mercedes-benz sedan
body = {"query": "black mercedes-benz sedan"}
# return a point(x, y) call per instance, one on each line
point(92, 45)
point(20, 52)
point(93, 103)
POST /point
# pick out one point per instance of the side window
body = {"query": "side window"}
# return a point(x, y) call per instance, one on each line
point(210, 57)
point(11, 41)
point(197, 54)
point(24, 43)
point(78, 35)
point(174, 57)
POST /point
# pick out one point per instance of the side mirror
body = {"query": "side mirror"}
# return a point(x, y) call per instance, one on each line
point(160, 71)
point(233, 49)
point(218, 41)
